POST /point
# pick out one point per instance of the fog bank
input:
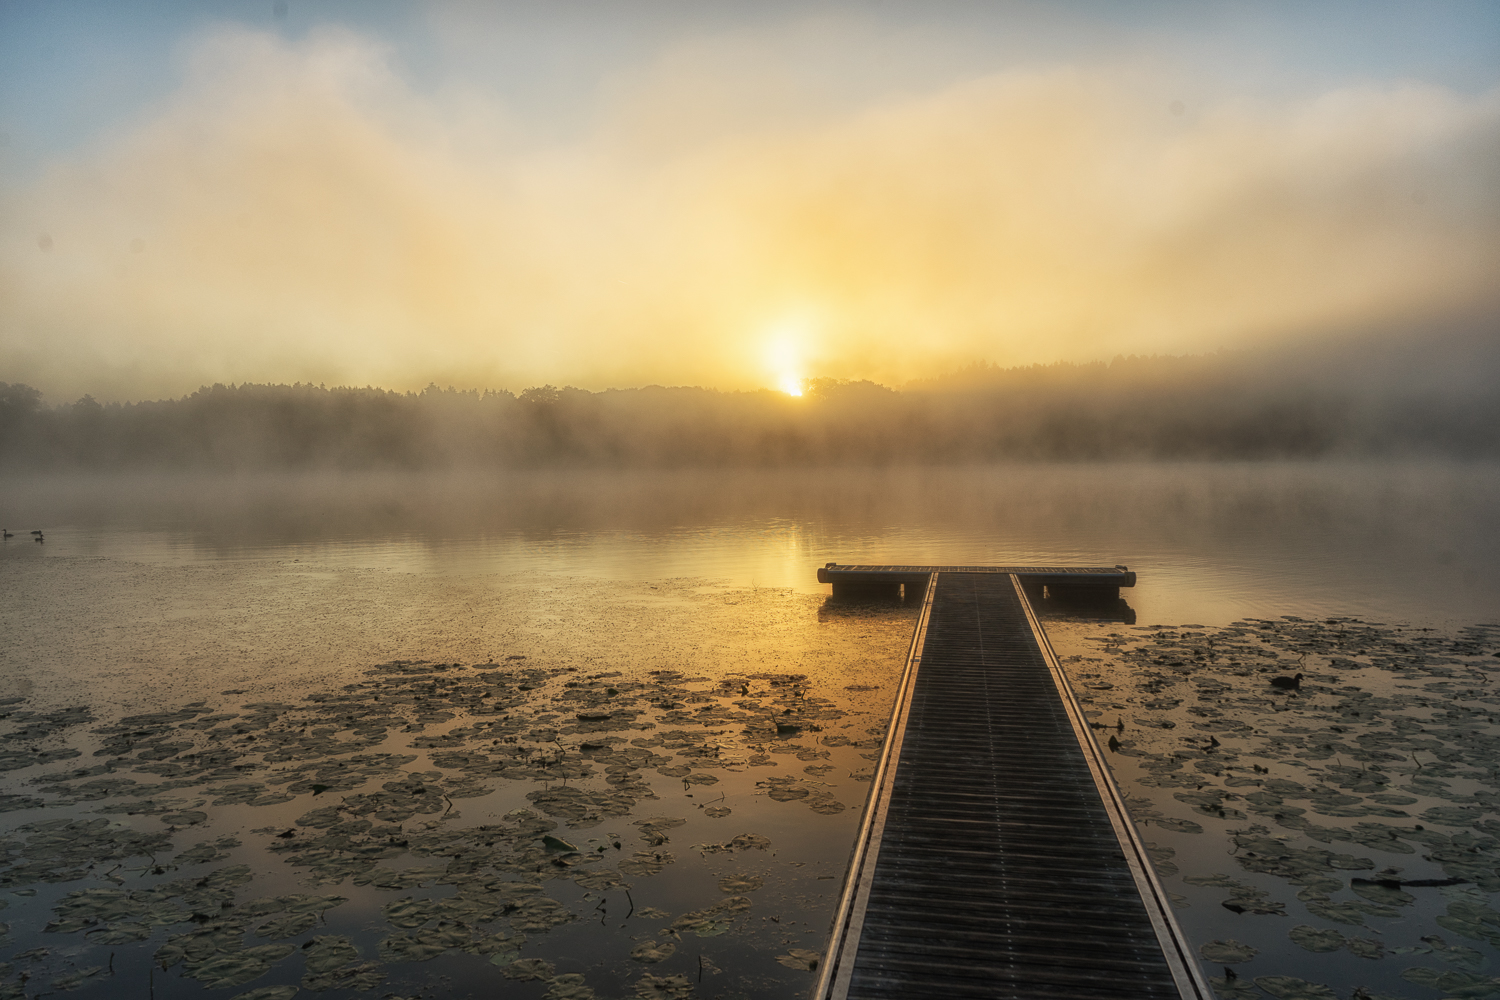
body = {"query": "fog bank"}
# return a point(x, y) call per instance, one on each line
point(1441, 397)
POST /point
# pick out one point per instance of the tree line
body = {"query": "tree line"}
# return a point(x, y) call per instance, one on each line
point(1244, 405)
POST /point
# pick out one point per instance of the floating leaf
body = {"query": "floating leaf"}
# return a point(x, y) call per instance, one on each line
point(328, 952)
point(74, 980)
point(1382, 893)
point(740, 883)
point(363, 977)
point(568, 986)
point(650, 987)
point(1235, 989)
point(1229, 952)
point(235, 968)
point(714, 920)
point(651, 951)
point(1316, 939)
point(286, 926)
point(267, 993)
point(1343, 913)
point(409, 912)
point(1292, 988)
point(118, 934)
point(1457, 984)
point(529, 968)
point(540, 913)
point(801, 958)
point(1178, 825)
point(190, 817)
point(645, 863)
point(1455, 954)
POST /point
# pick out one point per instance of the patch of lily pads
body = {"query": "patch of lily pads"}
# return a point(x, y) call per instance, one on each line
point(1365, 781)
point(379, 770)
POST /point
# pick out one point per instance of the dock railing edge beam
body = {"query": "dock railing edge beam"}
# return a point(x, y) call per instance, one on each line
point(848, 921)
point(1186, 971)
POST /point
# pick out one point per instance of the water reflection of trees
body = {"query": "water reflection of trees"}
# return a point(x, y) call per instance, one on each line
point(1214, 406)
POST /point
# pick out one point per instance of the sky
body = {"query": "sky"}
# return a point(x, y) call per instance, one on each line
point(732, 195)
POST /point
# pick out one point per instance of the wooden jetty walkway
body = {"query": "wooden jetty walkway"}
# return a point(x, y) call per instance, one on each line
point(996, 858)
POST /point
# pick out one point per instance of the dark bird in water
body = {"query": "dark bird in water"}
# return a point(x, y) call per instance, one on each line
point(39, 537)
point(1287, 683)
point(36, 531)
point(7, 533)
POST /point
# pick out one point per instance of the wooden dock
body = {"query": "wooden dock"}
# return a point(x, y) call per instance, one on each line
point(894, 581)
point(996, 858)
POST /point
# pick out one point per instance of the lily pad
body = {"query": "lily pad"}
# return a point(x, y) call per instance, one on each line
point(80, 977)
point(1226, 952)
point(1455, 954)
point(190, 817)
point(267, 993)
point(1457, 984)
point(540, 913)
point(1178, 825)
point(1235, 989)
point(714, 920)
point(568, 986)
point(650, 987)
point(1292, 988)
point(118, 934)
point(1381, 893)
point(651, 951)
point(529, 968)
point(645, 863)
point(328, 952)
point(1316, 938)
point(801, 958)
point(286, 926)
point(740, 883)
point(235, 968)
point(363, 977)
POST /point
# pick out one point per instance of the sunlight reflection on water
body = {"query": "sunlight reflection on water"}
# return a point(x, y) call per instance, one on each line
point(1211, 542)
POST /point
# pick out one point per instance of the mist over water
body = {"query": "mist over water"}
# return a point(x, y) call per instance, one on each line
point(1211, 541)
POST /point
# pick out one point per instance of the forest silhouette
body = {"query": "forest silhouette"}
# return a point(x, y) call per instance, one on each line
point(1229, 405)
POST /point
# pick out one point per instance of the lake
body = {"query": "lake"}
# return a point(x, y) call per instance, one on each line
point(592, 733)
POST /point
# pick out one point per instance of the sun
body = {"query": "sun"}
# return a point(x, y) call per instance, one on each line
point(785, 350)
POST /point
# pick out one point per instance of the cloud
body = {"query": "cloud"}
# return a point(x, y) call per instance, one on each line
point(300, 211)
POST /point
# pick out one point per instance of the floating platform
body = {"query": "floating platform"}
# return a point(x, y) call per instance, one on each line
point(996, 858)
point(894, 581)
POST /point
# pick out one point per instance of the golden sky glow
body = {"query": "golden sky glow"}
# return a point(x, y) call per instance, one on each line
point(299, 210)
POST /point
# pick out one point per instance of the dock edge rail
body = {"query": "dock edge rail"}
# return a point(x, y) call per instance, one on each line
point(838, 958)
point(1176, 950)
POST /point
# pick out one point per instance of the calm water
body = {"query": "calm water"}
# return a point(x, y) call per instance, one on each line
point(681, 593)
